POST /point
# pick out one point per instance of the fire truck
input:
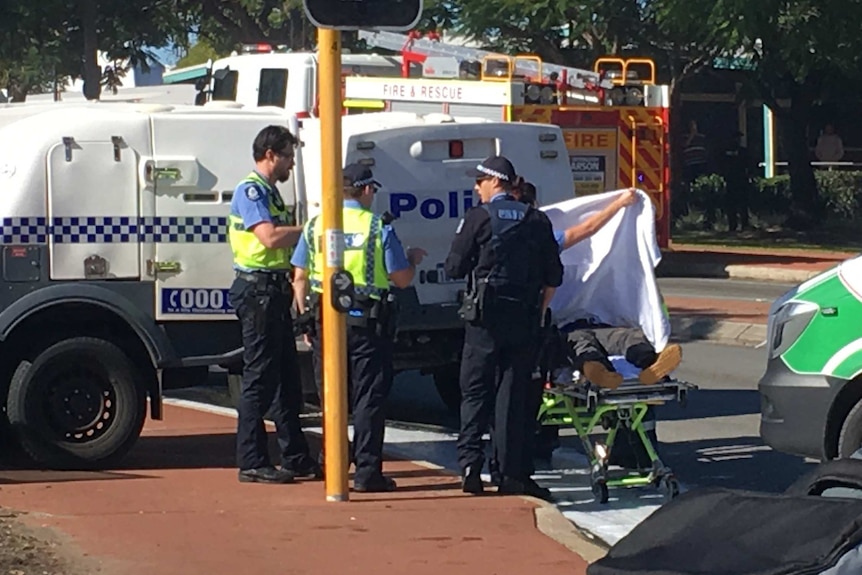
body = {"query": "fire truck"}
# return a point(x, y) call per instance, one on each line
point(614, 118)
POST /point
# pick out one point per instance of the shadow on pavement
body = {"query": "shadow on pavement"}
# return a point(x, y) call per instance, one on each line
point(702, 323)
point(738, 463)
point(703, 403)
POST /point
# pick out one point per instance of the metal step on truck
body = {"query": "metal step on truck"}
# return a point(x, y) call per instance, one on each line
point(116, 268)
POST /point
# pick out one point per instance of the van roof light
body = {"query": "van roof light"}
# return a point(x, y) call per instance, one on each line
point(259, 48)
point(365, 145)
point(548, 137)
point(548, 154)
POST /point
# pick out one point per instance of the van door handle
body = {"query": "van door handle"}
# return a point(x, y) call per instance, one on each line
point(154, 267)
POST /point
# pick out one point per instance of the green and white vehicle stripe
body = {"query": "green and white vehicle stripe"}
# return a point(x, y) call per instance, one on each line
point(831, 343)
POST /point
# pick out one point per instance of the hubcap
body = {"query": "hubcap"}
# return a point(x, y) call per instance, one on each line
point(80, 405)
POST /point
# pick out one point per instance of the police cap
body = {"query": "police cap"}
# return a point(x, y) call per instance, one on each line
point(494, 167)
point(359, 176)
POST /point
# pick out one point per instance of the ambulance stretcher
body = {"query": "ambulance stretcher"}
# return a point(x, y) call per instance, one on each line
point(578, 403)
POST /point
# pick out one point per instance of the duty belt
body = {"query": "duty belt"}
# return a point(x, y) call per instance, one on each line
point(262, 278)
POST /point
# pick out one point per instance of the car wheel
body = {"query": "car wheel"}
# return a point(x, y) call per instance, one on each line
point(79, 404)
point(850, 438)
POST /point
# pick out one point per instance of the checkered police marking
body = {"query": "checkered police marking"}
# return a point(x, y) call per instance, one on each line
point(94, 230)
point(24, 231)
point(113, 229)
point(184, 230)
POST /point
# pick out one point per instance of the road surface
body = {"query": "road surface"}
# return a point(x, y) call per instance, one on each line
point(764, 292)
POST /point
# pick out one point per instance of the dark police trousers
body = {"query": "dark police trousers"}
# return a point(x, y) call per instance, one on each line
point(270, 376)
point(369, 362)
point(370, 375)
point(496, 364)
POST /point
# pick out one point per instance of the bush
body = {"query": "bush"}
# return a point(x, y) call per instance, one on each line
point(840, 192)
point(770, 198)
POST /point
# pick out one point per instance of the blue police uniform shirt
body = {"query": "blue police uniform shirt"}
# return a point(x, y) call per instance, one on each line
point(251, 203)
point(559, 237)
point(393, 253)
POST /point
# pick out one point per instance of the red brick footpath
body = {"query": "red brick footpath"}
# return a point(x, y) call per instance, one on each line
point(176, 507)
point(786, 265)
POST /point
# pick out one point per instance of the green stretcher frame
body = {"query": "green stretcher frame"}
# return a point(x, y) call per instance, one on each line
point(584, 407)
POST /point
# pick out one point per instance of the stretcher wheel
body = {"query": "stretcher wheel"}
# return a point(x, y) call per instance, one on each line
point(669, 487)
point(600, 491)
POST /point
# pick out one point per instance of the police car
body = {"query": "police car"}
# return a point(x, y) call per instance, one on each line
point(115, 263)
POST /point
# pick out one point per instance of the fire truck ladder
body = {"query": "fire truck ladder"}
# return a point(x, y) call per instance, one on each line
point(577, 78)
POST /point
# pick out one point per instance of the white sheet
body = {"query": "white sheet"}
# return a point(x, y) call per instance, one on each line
point(610, 277)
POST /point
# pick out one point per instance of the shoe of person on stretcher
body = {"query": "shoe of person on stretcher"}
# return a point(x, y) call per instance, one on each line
point(668, 360)
point(598, 374)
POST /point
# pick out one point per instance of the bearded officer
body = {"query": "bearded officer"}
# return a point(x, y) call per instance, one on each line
point(262, 232)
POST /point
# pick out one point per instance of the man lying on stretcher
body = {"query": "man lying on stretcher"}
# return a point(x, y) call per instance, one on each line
point(609, 303)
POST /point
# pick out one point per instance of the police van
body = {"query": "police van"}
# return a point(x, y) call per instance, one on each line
point(116, 268)
point(426, 189)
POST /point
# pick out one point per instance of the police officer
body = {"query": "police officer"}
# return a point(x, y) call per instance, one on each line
point(261, 232)
point(374, 256)
point(508, 250)
point(542, 439)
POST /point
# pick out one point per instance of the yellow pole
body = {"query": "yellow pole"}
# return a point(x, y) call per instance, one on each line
point(334, 335)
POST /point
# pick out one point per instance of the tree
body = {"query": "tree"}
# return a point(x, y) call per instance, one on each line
point(199, 53)
point(31, 55)
point(800, 48)
point(559, 31)
point(685, 38)
point(67, 35)
point(227, 24)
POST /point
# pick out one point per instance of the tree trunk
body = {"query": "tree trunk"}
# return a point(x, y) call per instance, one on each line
point(17, 94)
point(17, 89)
point(679, 200)
point(92, 74)
point(805, 208)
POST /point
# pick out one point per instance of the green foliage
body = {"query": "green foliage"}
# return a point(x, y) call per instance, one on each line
point(839, 191)
point(199, 53)
point(43, 40)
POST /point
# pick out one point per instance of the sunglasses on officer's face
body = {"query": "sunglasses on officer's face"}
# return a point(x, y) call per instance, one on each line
point(480, 180)
point(288, 155)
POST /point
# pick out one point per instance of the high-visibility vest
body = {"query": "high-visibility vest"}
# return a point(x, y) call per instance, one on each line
point(248, 252)
point(363, 252)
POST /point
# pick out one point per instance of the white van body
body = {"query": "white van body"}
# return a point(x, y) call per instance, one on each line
point(114, 245)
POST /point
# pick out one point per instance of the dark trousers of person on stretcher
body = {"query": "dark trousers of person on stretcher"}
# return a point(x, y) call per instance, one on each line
point(591, 348)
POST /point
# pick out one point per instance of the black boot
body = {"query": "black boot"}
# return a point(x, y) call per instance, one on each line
point(471, 480)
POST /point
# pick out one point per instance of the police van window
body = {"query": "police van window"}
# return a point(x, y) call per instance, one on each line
point(224, 88)
point(273, 87)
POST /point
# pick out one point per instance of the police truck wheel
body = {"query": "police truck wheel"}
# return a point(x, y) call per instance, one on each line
point(79, 404)
point(446, 380)
point(850, 438)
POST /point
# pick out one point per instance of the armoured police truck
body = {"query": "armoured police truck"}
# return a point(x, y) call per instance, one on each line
point(115, 264)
